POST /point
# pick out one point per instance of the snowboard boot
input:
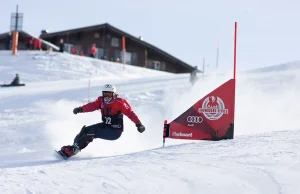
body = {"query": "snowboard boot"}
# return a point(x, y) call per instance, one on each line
point(69, 151)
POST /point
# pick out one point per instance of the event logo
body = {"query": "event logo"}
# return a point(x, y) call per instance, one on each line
point(213, 108)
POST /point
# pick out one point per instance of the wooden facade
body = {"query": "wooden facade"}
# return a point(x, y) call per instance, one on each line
point(108, 40)
point(6, 40)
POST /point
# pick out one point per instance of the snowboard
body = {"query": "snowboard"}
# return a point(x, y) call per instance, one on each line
point(61, 154)
point(9, 85)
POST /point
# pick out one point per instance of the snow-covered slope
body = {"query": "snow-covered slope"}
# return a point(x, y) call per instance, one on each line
point(265, 163)
point(53, 66)
point(34, 120)
point(291, 66)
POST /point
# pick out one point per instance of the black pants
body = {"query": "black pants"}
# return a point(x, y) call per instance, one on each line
point(100, 130)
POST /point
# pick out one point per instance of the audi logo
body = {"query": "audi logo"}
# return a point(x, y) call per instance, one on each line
point(194, 119)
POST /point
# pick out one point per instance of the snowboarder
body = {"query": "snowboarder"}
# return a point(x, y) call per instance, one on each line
point(16, 80)
point(112, 109)
point(194, 77)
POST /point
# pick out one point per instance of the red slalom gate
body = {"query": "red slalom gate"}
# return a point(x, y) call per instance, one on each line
point(212, 117)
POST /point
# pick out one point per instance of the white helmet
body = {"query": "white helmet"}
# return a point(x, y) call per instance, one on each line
point(109, 88)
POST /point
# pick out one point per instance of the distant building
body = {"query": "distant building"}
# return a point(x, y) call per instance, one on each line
point(6, 40)
point(25, 41)
point(110, 42)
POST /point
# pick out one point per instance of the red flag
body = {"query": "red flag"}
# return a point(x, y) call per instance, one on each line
point(211, 118)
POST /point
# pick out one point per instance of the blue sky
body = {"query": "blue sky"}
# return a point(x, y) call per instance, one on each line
point(268, 31)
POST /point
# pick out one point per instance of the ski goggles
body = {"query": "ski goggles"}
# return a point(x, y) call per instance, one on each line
point(107, 94)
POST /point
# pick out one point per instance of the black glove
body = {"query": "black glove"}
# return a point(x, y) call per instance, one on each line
point(77, 110)
point(140, 127)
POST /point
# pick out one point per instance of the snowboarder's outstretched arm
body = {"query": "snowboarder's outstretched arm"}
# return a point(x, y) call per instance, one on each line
point(127, 110)
point(89, 107)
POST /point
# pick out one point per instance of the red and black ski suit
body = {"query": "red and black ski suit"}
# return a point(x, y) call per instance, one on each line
point(112, 116)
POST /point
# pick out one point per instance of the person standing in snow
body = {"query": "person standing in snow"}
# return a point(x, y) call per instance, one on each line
point(61, 46)
point(37, 44)
point(74, 50)
point(8, 41)
point(93, 51)
point(29, 43)
point(112, 108)
point(193, 76)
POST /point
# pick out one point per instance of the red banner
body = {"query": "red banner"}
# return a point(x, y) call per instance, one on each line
point(211, 118)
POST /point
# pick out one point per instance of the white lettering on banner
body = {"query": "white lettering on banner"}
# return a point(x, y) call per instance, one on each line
point(213, 108)
point(182, 134)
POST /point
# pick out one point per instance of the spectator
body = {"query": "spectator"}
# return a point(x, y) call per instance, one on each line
point(37, 44)
point(40, 44)
point(29, 43)
point(74, 50)
point(93, 51)
point(81, 53)
point(61, 46)
point(8, 42)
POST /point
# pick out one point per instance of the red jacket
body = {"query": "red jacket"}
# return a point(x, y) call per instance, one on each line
point(93, 50)
point(35, 43)
point(30, 40)
point(115, 107)
point(74, 50)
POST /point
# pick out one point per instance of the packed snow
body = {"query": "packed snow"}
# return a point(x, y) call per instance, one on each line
point(36, 119)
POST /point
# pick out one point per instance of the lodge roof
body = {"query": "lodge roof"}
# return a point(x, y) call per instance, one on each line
point(21, 33)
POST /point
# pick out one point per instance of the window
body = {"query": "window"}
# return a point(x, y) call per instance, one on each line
point(68, 47)
point(100, 53)
point(134, 59)
point(117, 55)
point(106, 54)
point(163, 66)
point(157, 65)
point(115, 42)
point(97, 35)
point(128, 56)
